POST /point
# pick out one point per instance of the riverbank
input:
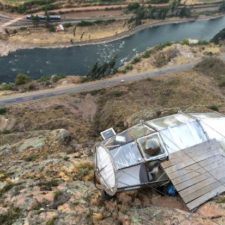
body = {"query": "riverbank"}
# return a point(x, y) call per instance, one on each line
point(8, 45)
point(162, 56)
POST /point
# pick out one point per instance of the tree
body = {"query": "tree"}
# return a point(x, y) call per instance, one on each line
point(133, 7)
point(22, 79)
point(174, 5)
point(99, 71)
point(222, 7)
point(35, 20)
point(185, 12)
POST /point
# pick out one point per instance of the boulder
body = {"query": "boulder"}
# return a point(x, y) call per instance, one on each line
point(62, 136)
point(34, 143)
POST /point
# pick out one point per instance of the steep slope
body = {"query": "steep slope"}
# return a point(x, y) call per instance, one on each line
point(46, 164)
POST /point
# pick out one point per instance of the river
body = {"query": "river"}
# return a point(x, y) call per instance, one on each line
point(79, 60)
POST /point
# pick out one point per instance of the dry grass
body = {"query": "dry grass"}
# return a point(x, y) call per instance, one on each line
point(118, 107)
point(41, 36)
point(180, 91)
point(174, 54)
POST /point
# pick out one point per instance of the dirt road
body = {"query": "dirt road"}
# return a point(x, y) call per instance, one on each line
point(92, 86)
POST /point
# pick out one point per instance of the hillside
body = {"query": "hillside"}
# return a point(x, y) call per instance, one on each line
point(46, 153)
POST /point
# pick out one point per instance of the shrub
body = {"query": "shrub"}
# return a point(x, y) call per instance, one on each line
point(55, 78)
point(51, 28)
point(51, 221)
point(44, 79)
point(203, 42)
point(222, 83)
point(185, 42)
point(3, 111)
point(162, 46)
point(104, 22)
point(128, 67)
point(30, 158)
point(158, 1)
point(48, 185)
point(31, 87)
point(222, 7)
point(133, 6)
point(116, 94)
point(10, 217)
point(6, 188)
point(22, 79)
point(136, 60)
point(214, 107)
point(7, 87)
point(84, 23)
point(99, 71)
point(67, 25)
point(147, 54)
point(185, 12)
point(219, 37)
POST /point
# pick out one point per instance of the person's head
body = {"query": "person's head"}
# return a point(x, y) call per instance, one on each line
point(152, 147)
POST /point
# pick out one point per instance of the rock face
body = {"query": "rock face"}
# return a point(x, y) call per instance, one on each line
point(34, 143)
point(62, 136)
point(40, 183)
point(6, 123)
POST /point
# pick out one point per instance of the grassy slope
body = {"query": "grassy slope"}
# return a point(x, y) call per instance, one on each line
point(120, 106)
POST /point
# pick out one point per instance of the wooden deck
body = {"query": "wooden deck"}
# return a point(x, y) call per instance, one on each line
point(198, 173)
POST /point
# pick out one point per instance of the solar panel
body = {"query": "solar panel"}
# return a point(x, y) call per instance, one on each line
point(106, 134)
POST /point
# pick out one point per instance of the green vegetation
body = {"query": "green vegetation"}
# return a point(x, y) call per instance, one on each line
point(214, 108)
point(6, 188)
point(24, 83)
point(158, 1)
point(132, 7)
point(10, 217)
point(24, 7)
point(57, 77)
point(35, 20)
point(6, 86)
point(148, 12)
point(146, 54)
point(31, 158)
point(67, 25)
point(136, 60)
point(126, 68)
point(51, 28)
point(203, 42)
point(84, 170)
point(85, 23)
point(51, 222)
point(44, 79)
point(222, 7)
point(185, 12)
point(22, 79)
point(219, 37)
point(162, 46)
point(99, 71)
point(3, 111)
point(48, 185)
point(116, 93)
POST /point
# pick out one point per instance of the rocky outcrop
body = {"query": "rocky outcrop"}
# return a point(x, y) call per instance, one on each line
point(6, 123)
